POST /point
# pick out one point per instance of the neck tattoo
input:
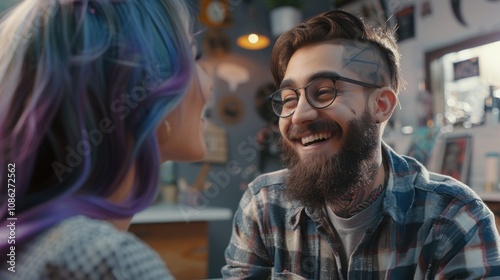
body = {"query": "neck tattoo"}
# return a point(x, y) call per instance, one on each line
point(353, 203)
point(363, 205)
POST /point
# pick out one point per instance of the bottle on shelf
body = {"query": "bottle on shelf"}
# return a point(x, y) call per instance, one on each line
point(492, 182)
point(492, 107)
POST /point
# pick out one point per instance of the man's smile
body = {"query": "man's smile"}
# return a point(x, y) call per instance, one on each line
point(315, 138)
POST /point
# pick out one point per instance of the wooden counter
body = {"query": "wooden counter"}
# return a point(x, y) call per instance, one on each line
point(180, 236)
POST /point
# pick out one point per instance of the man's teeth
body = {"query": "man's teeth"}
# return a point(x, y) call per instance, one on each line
point(315, 137)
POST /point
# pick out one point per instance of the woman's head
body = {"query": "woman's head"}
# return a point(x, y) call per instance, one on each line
point(184, 127)
point(84, 85)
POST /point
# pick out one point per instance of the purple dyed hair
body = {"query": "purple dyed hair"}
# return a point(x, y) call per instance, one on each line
point(84, 85)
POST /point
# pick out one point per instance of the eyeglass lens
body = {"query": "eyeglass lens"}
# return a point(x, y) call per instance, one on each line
point(320, 93)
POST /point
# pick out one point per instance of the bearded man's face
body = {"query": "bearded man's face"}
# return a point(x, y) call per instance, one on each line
point(319, 177)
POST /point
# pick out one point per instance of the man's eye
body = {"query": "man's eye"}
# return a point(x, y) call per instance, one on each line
point(325, 90)
point(325, 93)
point(290, 101)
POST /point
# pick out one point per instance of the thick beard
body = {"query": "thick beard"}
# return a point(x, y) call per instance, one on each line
point(317, 178)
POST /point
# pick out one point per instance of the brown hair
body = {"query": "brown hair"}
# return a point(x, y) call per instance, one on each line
point(330, 26)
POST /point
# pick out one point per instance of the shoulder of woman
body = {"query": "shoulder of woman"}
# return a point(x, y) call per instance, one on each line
point(95, 248)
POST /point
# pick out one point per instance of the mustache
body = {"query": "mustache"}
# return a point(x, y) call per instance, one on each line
point(294, 132)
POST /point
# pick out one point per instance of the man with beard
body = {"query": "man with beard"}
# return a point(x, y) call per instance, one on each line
point(347, 206)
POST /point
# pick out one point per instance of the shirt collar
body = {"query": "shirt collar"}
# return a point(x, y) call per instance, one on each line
point(293, 217)
point(318, 215)
point(400, 191)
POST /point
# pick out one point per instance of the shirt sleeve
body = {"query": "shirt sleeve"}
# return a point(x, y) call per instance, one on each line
point(468, 245)
point(247, 256)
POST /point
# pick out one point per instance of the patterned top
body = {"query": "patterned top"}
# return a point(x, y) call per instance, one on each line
point(82, 248)
point(433, 227)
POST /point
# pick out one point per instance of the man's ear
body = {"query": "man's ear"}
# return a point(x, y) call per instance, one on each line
point(385, 102)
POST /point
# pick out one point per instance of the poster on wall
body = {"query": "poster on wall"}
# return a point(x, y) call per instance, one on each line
point(466, 69)
point(405, 19)
point(455, 157)
point(425, 9)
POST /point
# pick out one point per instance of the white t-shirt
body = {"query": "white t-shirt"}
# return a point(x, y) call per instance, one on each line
point(352, 230)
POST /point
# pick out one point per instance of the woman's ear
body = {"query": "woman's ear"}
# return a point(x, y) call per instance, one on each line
point(386, 100)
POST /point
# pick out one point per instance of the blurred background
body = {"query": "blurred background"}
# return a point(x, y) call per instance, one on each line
point(449, 111)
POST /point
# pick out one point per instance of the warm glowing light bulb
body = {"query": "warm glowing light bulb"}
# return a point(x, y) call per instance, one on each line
point(253, 38)
point(253, 41)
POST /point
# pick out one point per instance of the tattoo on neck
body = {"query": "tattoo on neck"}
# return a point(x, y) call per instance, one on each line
point(351, 204)
point(354, 202)
point(372, 172)
point(363, 205)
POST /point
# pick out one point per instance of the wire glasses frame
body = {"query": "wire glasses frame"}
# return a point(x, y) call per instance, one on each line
point(320, 93)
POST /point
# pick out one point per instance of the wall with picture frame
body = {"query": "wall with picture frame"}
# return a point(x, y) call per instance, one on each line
point(454, 155)
point(475, 144)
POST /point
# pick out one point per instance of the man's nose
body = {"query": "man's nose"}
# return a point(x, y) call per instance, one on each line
point(304, 111)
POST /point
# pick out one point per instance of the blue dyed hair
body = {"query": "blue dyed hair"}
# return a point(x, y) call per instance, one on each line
point(83, 86)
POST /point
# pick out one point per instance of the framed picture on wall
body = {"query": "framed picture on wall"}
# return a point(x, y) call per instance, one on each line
point(456, 154)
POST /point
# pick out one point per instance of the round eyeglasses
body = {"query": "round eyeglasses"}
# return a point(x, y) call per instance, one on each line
point(320, 93)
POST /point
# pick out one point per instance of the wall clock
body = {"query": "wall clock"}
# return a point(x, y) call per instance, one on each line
point(215, 13)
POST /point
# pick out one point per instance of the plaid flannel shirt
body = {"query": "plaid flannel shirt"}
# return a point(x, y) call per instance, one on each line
point(433, 227)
